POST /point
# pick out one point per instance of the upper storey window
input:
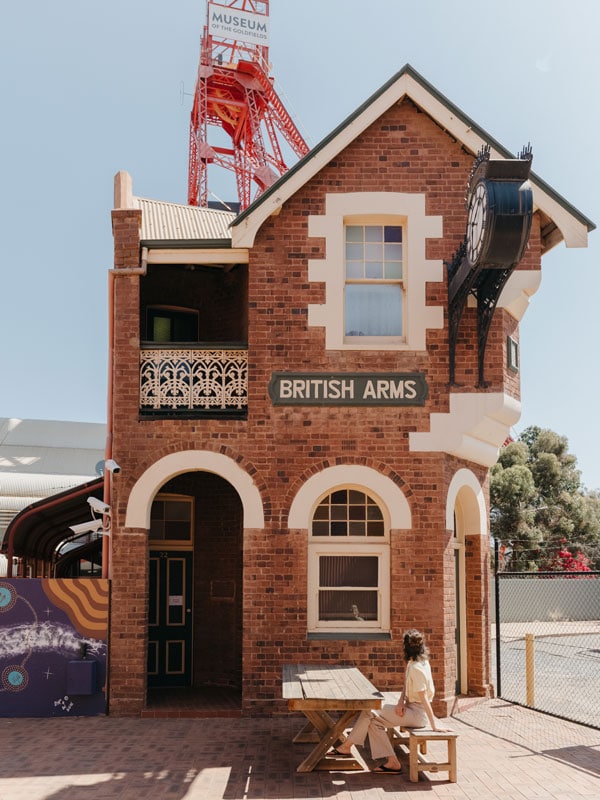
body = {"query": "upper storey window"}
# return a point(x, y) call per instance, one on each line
point(172, 324)
point(375, 271)
point(374, 292)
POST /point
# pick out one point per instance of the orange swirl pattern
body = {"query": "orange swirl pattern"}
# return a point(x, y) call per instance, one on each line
point(85, 601)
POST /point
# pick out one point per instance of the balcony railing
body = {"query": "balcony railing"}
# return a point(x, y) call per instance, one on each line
point(178, 378)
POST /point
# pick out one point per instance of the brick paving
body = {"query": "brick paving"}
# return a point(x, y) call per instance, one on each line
point(504, 751)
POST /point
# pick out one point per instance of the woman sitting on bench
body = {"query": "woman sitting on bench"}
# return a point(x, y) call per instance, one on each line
point(413, 709)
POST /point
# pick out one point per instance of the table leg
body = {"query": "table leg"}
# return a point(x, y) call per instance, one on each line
point(313, 731)
point(329, 736)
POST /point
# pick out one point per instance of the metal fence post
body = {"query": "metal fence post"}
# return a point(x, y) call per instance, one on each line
point(497, 601)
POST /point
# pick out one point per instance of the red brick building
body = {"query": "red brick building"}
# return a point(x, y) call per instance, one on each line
point(300, 478)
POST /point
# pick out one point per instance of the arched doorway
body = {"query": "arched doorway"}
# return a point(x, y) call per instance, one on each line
point(195, 584)
point(195, 506)
point(465, 516)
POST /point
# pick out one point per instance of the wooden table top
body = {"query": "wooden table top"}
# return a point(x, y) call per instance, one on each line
point(324, 686)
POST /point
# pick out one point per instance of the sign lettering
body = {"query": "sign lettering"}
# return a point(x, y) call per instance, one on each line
point(348, 389)
point(241, 25)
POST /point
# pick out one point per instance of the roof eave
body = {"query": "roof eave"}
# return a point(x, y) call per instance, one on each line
point(572, 225)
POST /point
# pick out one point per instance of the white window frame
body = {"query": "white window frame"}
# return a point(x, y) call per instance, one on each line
point(389, 208)
point(378, 546)
point(381, 222)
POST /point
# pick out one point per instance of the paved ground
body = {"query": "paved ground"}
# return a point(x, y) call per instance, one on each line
point(504, 751)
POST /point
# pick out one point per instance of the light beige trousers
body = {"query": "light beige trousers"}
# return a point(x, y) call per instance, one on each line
point(375, 723)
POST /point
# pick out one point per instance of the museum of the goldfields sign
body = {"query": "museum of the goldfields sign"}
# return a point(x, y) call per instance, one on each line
point(347, 389)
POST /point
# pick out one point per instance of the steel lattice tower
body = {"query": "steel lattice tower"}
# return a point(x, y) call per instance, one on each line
point(235, 94)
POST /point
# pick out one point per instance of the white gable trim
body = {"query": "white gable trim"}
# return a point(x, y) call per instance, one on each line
point(573, 230)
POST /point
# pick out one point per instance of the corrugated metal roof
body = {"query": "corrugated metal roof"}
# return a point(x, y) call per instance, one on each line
point(171, 221)
point(34, 487)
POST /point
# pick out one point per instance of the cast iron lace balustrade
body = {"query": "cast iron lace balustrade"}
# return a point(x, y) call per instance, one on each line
point(193, 379)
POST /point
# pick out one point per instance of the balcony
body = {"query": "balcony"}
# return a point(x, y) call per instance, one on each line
point(198, 380)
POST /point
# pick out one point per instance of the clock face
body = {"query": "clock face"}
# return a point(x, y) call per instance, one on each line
point(477, 222)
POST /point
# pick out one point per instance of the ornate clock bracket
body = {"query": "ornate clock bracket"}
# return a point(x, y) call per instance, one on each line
point(500, 209)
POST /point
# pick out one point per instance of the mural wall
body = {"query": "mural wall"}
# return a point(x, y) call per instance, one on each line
point(53, 647)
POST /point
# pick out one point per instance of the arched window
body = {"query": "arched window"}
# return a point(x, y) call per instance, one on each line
point(348, 564)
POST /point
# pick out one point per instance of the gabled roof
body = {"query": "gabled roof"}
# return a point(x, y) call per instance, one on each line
point(560, 220)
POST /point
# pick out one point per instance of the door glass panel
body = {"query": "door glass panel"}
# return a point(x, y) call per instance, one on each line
point(176, 591)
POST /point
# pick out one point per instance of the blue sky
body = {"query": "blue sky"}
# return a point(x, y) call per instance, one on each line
point(91, 88)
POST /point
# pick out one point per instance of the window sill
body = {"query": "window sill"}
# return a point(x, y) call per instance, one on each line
point(349, 636)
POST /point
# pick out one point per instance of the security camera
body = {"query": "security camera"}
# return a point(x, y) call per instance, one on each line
point(112, 466)
point(98, 505)
point(92, 526)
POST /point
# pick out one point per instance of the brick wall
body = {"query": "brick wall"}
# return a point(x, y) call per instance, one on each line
point(281, 447)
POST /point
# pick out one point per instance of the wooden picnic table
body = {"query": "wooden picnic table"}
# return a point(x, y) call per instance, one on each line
point(329, 697)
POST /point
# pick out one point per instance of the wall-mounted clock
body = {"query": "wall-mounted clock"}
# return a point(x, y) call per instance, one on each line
point(499, 201)
point(478, 223)
point(500, 206)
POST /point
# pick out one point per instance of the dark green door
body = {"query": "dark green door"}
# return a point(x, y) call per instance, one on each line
point(170, 619)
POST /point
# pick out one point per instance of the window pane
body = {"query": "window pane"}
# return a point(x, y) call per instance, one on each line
point(339, 529)
point(393, 270)
point(393, 233)
point(373, 233)
point(354, 252)
point(393, 252)
point(373, 252)
point(177, 530)
point(348, 570)
point(157, 529)
point(161, 329)
point(320, 529)
point(355, 270)
point(353, 514)
point(171, 519)
point(172, 325)
point(340, 496)
point(374, 512)
point(373, 310)
point(354, 233)
point(357, 512)
point(356, 528)
point(347, 606)
point(177, 511)
point(374, 269)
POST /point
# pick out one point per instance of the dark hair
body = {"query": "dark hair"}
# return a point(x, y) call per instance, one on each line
point(414, 646)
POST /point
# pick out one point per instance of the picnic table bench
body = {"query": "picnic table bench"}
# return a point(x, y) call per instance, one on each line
point(329, 697)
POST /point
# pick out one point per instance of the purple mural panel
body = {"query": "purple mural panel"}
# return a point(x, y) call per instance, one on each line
point(53, 647)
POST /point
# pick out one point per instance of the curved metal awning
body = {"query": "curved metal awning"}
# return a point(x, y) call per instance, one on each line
point(40, 527)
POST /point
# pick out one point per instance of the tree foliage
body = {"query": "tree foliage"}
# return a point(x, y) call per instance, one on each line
point(540, 511)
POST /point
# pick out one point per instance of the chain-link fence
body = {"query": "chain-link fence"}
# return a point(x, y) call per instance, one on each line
point(547, 642)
